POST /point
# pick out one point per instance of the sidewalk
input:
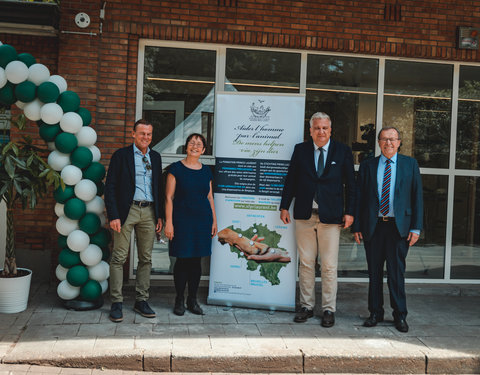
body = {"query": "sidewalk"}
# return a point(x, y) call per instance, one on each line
point(444, 336)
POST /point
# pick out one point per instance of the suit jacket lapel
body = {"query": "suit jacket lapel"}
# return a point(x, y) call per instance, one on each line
point(311, 158)
point(398, 176)
point(374, 175)
point(331, 151)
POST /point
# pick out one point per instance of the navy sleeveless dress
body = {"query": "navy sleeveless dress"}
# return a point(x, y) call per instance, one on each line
point(192, 214)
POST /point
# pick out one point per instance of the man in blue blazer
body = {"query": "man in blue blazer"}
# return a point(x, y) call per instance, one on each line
point(389, 218)
point(134, 200)
point(320, 175)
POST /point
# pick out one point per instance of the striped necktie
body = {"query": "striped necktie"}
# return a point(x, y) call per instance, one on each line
point(385, 201)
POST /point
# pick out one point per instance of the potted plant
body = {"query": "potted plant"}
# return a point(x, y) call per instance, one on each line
point(24, 178)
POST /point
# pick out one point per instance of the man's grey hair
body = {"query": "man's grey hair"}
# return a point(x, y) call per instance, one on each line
point(320, 115)
point(389, 128)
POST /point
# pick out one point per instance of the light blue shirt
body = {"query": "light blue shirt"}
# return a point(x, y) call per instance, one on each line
point(316, 153)
point(380, 171)
point(143, 176)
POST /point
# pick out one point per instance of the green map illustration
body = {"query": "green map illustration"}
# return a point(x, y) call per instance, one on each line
point(268, 270)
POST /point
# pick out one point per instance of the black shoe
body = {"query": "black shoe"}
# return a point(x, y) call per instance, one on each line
point(328, 319)
point(303, 315)
point(373, 320)
point(401, 325)
point(143, 309)
point(193, 307)
point(179, 308)
point(116, 315)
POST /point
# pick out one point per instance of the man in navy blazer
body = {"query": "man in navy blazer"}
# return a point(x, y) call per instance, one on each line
point(321, 179)
point(134, 200)
point(389, 218)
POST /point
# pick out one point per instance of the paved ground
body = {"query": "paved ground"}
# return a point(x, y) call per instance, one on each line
point(443, 338)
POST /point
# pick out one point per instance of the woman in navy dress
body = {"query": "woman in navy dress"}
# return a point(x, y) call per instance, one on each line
point(190, 221)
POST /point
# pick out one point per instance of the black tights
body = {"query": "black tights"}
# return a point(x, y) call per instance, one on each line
point(187, 270)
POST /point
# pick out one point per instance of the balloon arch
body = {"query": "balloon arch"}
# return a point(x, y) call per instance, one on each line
point(64, 125)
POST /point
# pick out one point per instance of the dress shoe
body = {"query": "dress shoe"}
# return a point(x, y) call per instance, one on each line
point(143, 309)
point(373, 320)
point(116, 315)
point(401, 325)
point(193, 306)
point(328, 319)
point(179, 308)
point(302, 315)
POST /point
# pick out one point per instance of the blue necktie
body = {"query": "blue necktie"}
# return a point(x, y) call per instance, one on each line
point(320, 169)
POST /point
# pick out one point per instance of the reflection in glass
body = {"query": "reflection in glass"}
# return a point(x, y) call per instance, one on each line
point(468, 120)
point(262, 71)
point(418, 102)
point(178, 96)
point(346, 89)
point(465, 262)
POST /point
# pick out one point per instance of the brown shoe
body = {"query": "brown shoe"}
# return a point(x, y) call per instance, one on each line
point(303, 315)
point(328, 319)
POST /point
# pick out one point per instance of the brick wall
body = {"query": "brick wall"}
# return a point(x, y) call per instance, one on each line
point(101, 65)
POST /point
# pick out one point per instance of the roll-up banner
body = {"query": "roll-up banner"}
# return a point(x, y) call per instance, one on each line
point(255, 136)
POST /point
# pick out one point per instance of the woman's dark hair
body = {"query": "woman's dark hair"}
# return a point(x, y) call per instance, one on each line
point(196, 135)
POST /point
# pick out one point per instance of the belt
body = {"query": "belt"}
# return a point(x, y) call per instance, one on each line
point(143, 203)
point(385, 219)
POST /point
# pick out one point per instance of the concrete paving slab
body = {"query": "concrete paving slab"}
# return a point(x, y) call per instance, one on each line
point(170, 330)
point(82, 317)
point(275, 329)
point(42, 318)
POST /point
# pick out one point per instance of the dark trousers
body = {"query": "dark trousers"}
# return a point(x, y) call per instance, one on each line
point(386, 245)
point(187, 271)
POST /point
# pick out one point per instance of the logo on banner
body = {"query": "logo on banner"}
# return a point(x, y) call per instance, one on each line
point(260, 112)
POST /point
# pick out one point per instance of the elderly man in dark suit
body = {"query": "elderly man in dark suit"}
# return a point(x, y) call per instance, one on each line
point(320, 174)
point(389, 218)
point(134, 200)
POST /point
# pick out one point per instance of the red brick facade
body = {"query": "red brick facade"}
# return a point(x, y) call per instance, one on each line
point(101, 65)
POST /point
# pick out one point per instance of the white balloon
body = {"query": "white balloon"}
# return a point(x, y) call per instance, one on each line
point(107, 267)
point(38, 73)
point(59, 209)
point(51, 113)
point(104, 285)
point(51, 146)
point(71, 175)
point(91, 256)
point(20, 104)
point(60, 82)
point(3, 77)
point(58, 160)
point(66, 291)
point(95, 152)
point(16, 72)
point(78, 240)
point(97, 272)
point(65, 226)
point(96, 205)
point(86, 190)
point(86, 136)
point(32, 110)
point(71, 122)
point(103, 220)
point(61, 272)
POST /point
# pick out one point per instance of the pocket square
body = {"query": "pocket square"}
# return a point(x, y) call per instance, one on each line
point(333, 162)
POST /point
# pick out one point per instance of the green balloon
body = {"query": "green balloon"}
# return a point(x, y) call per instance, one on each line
point(7, 96)
point(68, 258)
point(48, 92)
point(7, 55)
point(69, 101)
point(27, 59)
point(26, 91)
point(91, 290)
point(82, 157)
point(49, 132)
point(77, 275)
point(101, 238)
point(85, 115)
point(90, 223)
point(105, 254)
point(95, 172)
point(74, 208)
point(62, 241)
point(100, 188)
point(66, 142)
point(61, 196)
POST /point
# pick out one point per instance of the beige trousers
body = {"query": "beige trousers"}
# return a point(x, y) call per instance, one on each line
point(317, 240)
point(142, 219)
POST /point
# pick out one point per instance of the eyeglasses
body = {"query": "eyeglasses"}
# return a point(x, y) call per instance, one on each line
point(385, 140)
point(193, 144)
point(147, 163)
